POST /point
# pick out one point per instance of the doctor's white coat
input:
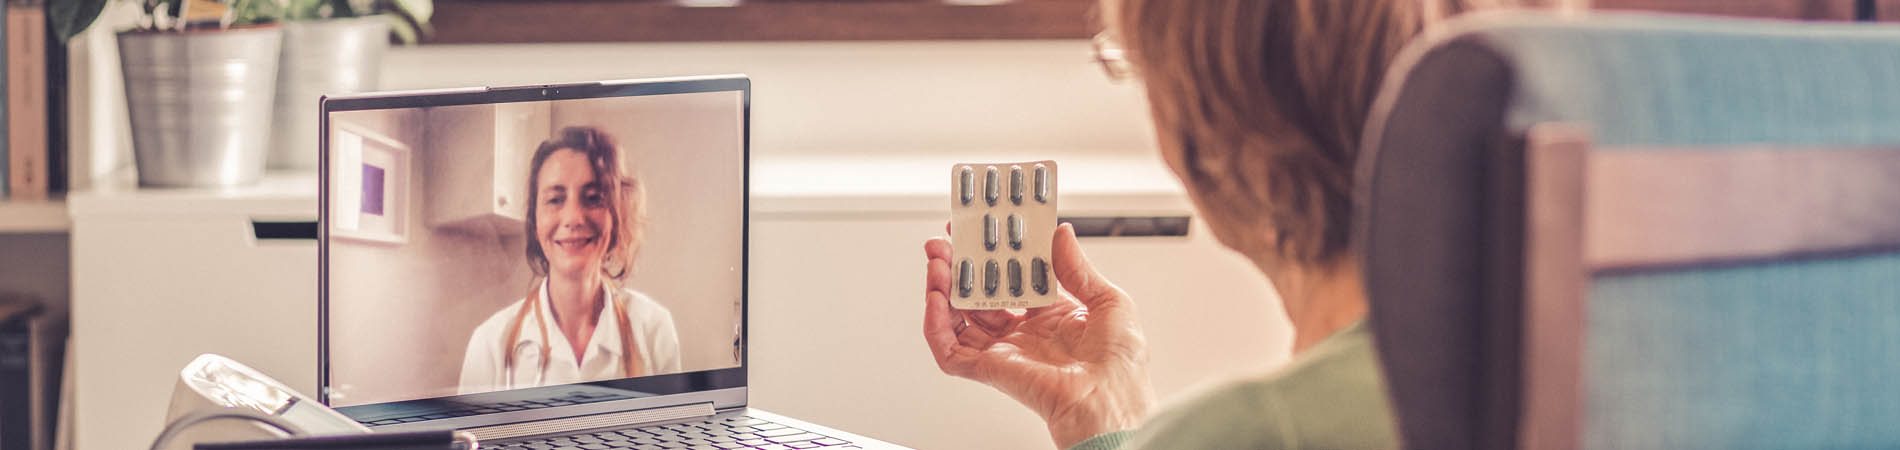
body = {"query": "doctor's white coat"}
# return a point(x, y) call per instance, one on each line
point(651, 322)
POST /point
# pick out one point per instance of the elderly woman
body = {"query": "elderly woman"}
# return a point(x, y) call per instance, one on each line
point(1258, 105)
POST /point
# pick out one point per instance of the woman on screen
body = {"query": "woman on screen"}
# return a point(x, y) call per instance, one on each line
point(578, 323)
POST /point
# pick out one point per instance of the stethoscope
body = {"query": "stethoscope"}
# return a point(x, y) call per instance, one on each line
point(532, 305)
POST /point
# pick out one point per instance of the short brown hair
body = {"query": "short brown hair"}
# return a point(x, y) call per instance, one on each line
point(626, 198)
point(1260, 103)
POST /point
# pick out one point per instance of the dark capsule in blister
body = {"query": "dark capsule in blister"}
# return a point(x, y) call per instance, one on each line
point(966, 278)
point(992, 187)
point(991, 271)
point(966, 184)
point(1042, 183)
point(1039, 276)
point(1016, 231)
point(1015, 278)
point(1016, 184)
point(990, 233)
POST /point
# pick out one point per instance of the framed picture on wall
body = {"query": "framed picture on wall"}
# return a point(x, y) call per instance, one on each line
point(371, 195)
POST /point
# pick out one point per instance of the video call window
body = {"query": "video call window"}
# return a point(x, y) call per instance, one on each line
point(479, 248)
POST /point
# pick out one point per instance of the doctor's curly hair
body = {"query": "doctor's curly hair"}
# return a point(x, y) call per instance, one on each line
point(626, 199)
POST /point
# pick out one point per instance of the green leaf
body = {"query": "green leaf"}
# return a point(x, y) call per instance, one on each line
point(71, 17)
point(251, 12)
point(305, 10)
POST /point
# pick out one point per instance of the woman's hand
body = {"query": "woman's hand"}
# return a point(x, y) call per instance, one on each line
point(1081, 363)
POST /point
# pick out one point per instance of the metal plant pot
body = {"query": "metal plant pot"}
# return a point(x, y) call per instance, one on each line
point(321, 57)
point(200, 103)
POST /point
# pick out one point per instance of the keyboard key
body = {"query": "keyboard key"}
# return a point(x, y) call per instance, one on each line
point(755, 442)
point(772, 447)
point(768, 426)
point(780, 432)
point(802, 445)
point(831, 441)
point(796, 437)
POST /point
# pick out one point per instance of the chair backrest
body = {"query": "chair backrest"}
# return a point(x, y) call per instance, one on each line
point(1441, 188)
point(1742, 297)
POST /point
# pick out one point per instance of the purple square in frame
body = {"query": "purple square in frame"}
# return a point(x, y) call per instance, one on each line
point(372, 190)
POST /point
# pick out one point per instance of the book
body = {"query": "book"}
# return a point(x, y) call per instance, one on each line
point(3, 114)
point(29, 167)
point(55, 121)
point(20, 401)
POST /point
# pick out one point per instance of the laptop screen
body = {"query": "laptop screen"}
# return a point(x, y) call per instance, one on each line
point(585, 237)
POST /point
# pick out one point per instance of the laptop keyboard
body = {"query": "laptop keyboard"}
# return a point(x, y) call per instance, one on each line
point(730, 433)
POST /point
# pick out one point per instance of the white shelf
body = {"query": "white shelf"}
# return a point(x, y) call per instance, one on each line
point(278, 195)
point(48, 216)
point(913, 186)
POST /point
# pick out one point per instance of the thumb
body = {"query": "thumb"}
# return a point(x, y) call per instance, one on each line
point(1075, 272)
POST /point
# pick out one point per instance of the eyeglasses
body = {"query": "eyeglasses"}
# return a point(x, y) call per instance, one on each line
point(1109, 52)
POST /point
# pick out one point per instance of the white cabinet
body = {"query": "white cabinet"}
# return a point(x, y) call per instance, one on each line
point(506, 135)
point(160, 276)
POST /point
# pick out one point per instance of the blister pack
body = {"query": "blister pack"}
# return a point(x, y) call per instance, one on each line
point(1002, 217)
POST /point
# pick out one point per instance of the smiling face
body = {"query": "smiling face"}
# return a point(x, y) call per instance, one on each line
point(573, 221)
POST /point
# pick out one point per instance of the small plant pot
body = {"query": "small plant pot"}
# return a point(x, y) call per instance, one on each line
point(200, 103)
point(321, 57)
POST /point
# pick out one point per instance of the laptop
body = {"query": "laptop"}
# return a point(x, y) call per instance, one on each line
point(547, 267)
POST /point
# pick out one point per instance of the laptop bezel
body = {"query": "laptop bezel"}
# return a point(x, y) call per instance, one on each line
point(724, 388)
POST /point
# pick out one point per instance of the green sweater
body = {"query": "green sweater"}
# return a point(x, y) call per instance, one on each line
point(1330, 397)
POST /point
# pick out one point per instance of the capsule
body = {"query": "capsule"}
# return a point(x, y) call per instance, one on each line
point(1016, 231)
point(991, 272)
point(1039, 276)
point(1042, 183)
point(966, 180)
point(990, 233)
point(992, 187)
point(1015, 278)
point(966, 278)
point(1016, 184)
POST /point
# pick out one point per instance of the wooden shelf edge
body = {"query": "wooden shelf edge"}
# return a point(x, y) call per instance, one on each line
point(47, 216)
point(502, 21)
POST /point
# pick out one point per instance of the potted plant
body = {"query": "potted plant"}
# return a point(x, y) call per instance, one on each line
point(332, 47)
point(183, 62)
point(186, 131)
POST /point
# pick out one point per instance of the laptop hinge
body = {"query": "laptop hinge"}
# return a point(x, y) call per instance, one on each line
point(514, 430)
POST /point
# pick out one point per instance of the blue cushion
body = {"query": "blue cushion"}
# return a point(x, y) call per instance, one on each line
point(1802, 354)
point(1645, 80)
